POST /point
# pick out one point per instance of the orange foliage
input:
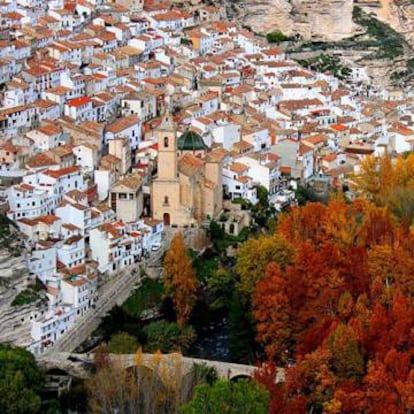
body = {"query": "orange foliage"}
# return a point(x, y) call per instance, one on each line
point(343, 308)
point(180, 278)
point(271, 310)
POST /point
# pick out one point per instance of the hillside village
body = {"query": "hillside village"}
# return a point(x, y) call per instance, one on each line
point(122, 120)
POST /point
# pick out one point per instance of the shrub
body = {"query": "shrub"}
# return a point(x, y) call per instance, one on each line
point(276, 37)
point(25, 297)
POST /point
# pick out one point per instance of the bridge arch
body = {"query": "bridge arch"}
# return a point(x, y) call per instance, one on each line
point(238, 377)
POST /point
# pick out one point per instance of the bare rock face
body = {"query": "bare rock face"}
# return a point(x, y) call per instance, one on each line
point(322, 20)
point(398, 14)
point(325, 20)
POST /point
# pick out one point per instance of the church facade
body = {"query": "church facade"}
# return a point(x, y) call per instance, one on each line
point(188, 189)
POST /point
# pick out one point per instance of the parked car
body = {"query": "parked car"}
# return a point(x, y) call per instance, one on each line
point(155, 247)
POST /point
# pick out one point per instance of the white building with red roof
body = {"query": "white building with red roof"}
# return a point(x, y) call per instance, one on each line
point(80, 109)
point(28, 201)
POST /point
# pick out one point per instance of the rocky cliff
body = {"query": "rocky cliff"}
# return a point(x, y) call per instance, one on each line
point(326, 20)
point(322, 19)
point(398, 14)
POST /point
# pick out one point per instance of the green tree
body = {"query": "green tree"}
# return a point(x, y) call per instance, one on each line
point(305, 194)
point(166, 337)
point(276, 37)
point(122, 343)
point(263, 195)
point(220, 287)
point(202, 373)
point(20, 381)
point(242, 331)
point(262, 211)
point(216, 231)
point(147, 296)
point(347, 360)
point(224, 397)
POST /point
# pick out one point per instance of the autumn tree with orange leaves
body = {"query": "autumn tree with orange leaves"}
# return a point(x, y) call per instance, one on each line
point(342, 307)
point(180, 279)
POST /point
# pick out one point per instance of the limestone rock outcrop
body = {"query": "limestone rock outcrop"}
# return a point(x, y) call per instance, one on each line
point(398, 14)
point(322, 19)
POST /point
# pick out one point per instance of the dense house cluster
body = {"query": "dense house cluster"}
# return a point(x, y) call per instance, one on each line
point(118, 119)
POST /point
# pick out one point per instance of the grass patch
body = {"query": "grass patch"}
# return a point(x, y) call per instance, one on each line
point(25, 297)
point(327, 63)
point(147, 296)
point(204, 265)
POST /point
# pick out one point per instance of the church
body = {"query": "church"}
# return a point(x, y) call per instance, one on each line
point(188, 188)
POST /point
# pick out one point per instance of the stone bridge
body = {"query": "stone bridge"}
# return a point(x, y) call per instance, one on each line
point(80, 365)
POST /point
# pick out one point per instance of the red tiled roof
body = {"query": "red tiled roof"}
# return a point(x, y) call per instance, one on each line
point(79, 101)
point(62, 172)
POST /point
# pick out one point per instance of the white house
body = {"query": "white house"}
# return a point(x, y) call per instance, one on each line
point(72, 251)
point(42, 261)
point(13, 120)
point(65, 51)
point(80, 109)
point(126, 127)
point(46, 329)
point(237, 183)
point(56, 183)
point(108, 248)
point(257, 136)
point(141, 103)
point(27, 201)
point(104, 179)
point(401, 138)
point(86, 157)
point(172, 20)
point(264, 170)
point(80, 291)
point(76, 214)
point(126, 199)
point(40, 228)
point(45, 138)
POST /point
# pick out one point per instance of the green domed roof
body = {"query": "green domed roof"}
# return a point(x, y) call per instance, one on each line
point(191, 141)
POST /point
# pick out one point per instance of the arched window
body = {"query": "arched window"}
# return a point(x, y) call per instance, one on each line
point(166, 200)
point(165, 142)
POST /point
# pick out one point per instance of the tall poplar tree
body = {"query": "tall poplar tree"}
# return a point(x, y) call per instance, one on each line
point(180, 279)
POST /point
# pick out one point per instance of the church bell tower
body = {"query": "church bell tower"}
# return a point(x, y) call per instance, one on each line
point(167, 149)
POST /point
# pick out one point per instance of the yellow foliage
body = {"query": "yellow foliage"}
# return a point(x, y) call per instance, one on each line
point(255, 254)
point(138, 357)
point(388, 183)
point(332, 407)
